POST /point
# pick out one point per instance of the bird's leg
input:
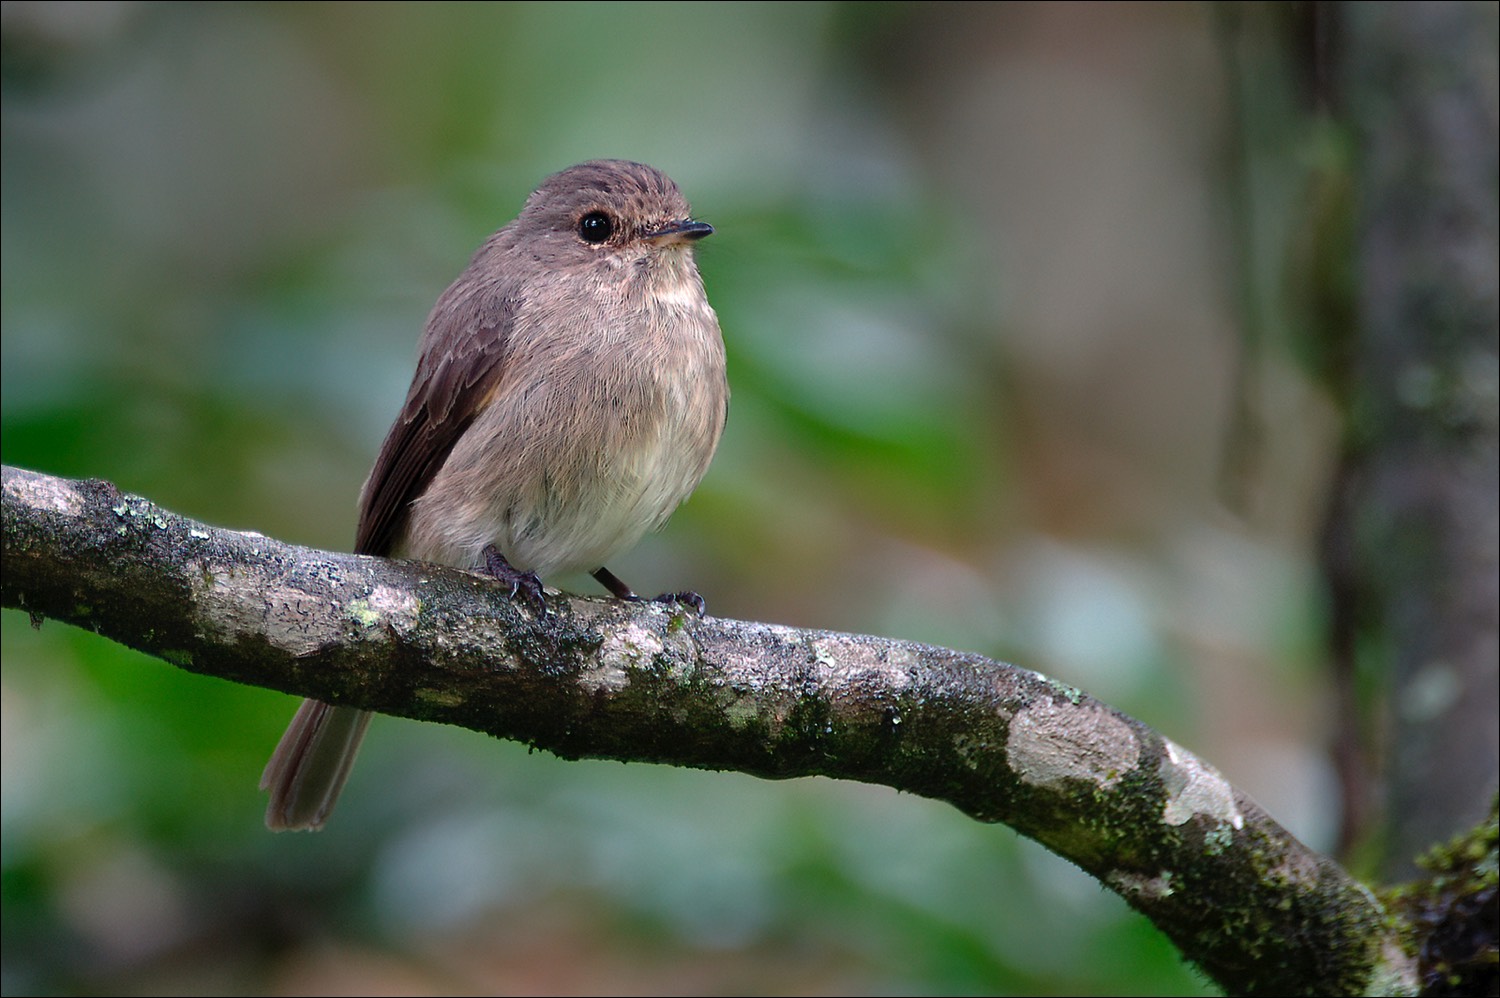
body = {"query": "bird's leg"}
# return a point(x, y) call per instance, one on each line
point(525, 583)
point(609, 580)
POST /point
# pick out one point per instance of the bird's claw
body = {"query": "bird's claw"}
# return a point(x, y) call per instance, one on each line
point(526, 584)
point(686, 598)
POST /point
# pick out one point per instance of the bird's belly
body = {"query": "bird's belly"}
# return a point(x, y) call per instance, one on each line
point(580, 524)
point(554, 501)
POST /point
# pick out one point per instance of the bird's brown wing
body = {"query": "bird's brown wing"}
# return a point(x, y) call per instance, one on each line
point(453, 381)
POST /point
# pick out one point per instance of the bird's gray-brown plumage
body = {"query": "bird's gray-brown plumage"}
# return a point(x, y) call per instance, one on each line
point(569, 394)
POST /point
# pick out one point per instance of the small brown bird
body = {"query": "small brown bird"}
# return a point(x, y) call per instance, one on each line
point(569, 394)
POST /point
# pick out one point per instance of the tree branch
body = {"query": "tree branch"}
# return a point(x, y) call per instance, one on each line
point(1252, 906)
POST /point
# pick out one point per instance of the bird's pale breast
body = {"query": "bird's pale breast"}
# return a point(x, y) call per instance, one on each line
point(591, 442)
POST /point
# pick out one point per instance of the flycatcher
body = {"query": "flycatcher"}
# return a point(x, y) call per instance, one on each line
point(569, 394)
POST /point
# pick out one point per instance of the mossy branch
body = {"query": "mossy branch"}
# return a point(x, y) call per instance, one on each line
point(1252, 906)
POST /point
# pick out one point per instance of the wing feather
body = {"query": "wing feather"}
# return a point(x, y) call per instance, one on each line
point(453, 382)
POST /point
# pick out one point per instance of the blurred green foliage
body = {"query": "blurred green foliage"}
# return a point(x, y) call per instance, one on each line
point(223, 226)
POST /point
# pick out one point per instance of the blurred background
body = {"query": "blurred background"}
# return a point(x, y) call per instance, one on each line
point(984, 274)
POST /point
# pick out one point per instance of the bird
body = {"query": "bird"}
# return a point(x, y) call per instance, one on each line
point(569, 394)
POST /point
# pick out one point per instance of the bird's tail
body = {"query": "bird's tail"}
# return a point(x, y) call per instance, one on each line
point(311, 762)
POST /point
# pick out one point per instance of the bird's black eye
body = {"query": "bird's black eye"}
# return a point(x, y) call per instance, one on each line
point(595, 227)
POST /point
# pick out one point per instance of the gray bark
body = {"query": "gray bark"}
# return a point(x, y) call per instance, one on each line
point(1252, 906)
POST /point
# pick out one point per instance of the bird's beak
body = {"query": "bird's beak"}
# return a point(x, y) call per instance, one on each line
point(684, 231)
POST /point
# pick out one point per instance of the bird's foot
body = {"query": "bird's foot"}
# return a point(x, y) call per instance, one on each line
point(609, 580)
point(525, 583)
point(686, 598)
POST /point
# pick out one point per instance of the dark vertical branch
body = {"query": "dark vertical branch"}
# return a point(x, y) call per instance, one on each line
point(1415, 512)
